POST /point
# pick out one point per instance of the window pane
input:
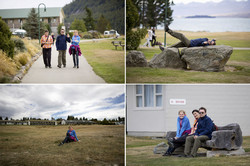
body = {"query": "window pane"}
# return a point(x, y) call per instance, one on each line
point(149, 95)
point(158, 88)
point(159, 101)
point(138, 89)
point(138, 101)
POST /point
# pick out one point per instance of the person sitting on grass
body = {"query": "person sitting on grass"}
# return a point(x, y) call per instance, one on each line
point(70, 136)
point(185, 42)
point(183, 129)
point(182, 139)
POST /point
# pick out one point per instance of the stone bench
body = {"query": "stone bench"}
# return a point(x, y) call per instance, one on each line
point(227, 140)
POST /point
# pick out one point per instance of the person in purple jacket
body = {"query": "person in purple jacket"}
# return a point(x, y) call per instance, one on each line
point(185, 42)
point(70, 136)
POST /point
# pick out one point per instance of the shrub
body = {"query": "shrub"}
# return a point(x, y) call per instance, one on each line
point(7, 65)
point(19, 44)
point(71, 34)
point(133, 38)
point(87, 35)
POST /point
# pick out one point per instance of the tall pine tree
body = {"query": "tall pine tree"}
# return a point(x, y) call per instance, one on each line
point(89, 20)
point(32, 25)
point(102, 24)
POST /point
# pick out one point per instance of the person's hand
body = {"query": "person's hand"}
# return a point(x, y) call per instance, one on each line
point(175, 137)
point(79, 141)
point(195, 136)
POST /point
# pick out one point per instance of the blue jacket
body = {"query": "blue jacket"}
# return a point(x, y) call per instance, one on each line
point(205, 127)
point(61, 42)
point(72, 133)
point(75, 40)
point(185, 126)
point(198, 42)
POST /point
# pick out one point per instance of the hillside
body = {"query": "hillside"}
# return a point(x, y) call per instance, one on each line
point(112, 10)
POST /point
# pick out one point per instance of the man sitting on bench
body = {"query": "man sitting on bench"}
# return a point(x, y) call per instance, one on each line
point(185, 42)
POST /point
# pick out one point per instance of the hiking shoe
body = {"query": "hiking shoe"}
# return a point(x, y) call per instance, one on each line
point(50, 67)
point(161, 48)
point(58, 66)
point(60, 144)
point(166, 28)
point(46, 66)
point(64, 66)
point(166, 154)
point(77, 67)
point(74, 67)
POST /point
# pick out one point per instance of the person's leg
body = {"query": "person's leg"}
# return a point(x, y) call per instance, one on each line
point(177, 45)
point(197, 144)
point(49, 57)
point(179, 36)
point(73, 55)
point(77, 59)
point(188, 144)
point(180, 141)
point(59, 58)
point(64, 58)
point(44, 57)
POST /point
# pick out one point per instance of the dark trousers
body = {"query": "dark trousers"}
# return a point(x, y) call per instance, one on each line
point(75, 58)
point(67, 139)
point(177, 143)
point(47, 57)
point(153, 41)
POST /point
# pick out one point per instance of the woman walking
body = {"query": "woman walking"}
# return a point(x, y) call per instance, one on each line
point(75, 49)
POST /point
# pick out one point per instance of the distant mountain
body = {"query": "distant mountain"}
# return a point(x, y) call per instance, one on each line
point(225, 8)
point(113, 10)
point(200, 16)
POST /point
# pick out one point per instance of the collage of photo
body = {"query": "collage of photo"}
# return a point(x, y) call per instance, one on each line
point(125, 82)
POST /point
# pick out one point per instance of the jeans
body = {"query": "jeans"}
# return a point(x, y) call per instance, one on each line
point(75, 58)
point(68, 139)
point(177, 143)
point(62, 58)
point(47, 57)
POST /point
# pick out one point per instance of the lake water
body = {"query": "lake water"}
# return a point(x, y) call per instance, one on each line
point(210, 24)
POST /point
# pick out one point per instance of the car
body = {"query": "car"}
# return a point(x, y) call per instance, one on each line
point(20, 32)
point(112, 32)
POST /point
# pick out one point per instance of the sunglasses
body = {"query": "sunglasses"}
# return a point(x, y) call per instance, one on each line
point(201, 112)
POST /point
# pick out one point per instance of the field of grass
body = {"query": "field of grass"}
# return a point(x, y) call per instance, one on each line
point(237, 69)
point(38, 145)
point(107, 62)
point(139, 151)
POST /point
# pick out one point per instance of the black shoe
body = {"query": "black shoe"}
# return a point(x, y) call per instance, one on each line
point(77, 67)
point(50, 67)
point(64, 66)
point(46, 66)
point(166, 28)
point(161, 48)
point(166, 154)
point(74, 67)
point(60, 144)
point(58, 66)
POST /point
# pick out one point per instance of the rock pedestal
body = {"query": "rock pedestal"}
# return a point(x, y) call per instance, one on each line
point(170, 57)
point(136, 59)
point(160, 148)
point(209, 58)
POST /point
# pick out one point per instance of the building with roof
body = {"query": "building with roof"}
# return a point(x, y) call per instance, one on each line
point(15, 18)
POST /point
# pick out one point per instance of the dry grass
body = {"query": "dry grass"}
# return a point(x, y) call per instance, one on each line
point(7, 65)
point(38, 145)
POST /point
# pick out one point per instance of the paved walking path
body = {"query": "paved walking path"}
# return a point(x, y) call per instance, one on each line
point(39, 74)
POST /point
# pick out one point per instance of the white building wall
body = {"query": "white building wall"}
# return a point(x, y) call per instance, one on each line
point(225, 104)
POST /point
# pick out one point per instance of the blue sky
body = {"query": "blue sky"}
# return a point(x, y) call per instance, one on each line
point(59, 101)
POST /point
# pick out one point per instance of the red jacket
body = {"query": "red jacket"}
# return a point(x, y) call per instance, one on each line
point(76, 47)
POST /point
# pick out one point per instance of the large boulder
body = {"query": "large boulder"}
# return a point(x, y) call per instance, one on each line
point(170, 57)
point(210, 58)
point(160, 148)
point(136, 59)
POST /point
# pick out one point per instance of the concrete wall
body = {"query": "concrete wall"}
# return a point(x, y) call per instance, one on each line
point(225, 104)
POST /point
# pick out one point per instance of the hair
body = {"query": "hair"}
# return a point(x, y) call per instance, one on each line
point(203, 108)
point(214, 41)
point(46, 30)
point(195, 111)
point(70, 127)
point(62, 29)
point(75, 31)
point(182, 111)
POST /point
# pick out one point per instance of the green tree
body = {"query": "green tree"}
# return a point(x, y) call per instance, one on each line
point(31, 25)
point(132, 15)
point(47, 26)
point(89, 20)
point(1, 118)
point(78, 25)
point(6, 44)
point(70, 118)
point(103, 24)
point(59, 27)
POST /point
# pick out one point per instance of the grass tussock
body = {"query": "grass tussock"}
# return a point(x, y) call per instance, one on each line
point(23, 54)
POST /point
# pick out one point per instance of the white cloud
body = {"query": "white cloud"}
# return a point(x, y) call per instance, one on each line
point(45, 101)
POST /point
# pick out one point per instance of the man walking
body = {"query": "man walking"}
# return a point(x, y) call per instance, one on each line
point(61, 46)
point(202, 134)
point(46, 42)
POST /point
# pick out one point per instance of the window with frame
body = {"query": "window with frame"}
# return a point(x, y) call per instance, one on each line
point(148, 95)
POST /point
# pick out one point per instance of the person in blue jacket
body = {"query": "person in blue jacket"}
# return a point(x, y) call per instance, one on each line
point(70, 136)
point(61, 47)
point(202, 134)
point(75, 46)
point(183, 129)
point(185, 42)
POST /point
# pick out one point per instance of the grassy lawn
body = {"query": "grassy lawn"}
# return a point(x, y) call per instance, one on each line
point(107, 62)
point(38, 145)
point(140, 152)
point(237, 69)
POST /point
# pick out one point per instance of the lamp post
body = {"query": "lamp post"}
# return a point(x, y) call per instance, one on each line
point(39, 17)
point(165, 22)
